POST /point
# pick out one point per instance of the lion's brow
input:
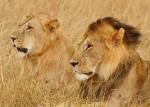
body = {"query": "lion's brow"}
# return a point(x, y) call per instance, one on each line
point(25, 21)
point(84, 38)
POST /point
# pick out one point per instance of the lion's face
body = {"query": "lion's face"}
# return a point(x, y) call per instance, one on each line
point(88, 56)
point(34, 35)
point(99, 42)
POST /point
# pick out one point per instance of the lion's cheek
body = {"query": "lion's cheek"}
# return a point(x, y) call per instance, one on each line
point(29, 44)
point(34, 46)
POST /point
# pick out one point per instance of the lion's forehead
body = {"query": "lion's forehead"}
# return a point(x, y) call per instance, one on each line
point(104, 31)
point(33, 21)
point(92, 37)
point(25, 20)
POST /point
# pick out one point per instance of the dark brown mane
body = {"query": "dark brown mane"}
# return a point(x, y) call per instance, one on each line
point(132, 35)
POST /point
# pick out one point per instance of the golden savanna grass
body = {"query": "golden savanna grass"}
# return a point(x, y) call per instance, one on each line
point(17, 87)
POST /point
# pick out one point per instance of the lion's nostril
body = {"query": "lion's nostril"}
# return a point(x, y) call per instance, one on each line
point(13, 38)
point(74, 63)
point(14, 45)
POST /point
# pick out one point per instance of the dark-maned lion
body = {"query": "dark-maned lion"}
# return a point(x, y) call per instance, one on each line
point(108, 65)
point(39, 40)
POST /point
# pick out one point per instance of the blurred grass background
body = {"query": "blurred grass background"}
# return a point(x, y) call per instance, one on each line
point(17, 89)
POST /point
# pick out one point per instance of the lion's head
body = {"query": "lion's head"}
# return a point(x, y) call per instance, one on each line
point(105, 43)
point(34, 35)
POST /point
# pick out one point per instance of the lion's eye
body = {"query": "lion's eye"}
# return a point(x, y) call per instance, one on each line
point(29, 28)
point(89, 46)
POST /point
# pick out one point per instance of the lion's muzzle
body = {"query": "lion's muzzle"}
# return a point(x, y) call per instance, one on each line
point(13, 40)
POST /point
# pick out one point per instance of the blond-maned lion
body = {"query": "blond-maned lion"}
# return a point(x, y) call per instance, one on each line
point(39, 40)
point(108, 65)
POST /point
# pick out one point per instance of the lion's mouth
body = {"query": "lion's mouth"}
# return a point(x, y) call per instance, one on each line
point(87, 73)
point(24, 50)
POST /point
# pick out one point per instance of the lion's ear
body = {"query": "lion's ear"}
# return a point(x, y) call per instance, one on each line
point(119, 36)
point(53, 24)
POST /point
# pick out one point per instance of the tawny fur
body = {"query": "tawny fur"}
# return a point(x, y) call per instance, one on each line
point(120, 74)
point(49, 52)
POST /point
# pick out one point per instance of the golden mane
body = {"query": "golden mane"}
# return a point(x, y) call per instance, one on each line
point(131, 35)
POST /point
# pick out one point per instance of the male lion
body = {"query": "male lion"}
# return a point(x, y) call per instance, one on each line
point(108, 65)
point(38, 40)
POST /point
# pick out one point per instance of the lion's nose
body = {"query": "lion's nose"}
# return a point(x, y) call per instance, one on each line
point(74, 62)
point(13, 38)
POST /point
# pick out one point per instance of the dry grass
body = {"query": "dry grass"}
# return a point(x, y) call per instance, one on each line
point(17, 87)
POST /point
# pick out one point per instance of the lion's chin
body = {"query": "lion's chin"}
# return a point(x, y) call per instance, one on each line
point(21, 54)
point(81, 77)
